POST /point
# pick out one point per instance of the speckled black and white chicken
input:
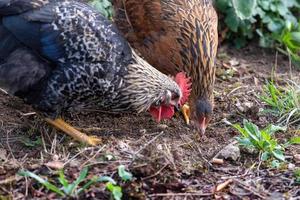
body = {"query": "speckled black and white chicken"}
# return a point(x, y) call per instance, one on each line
point(64, 55)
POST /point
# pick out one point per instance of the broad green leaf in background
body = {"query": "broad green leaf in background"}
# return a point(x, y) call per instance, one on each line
point(244, 8)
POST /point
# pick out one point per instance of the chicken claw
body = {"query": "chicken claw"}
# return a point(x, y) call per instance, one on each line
point(186, 113)
point(67, 128)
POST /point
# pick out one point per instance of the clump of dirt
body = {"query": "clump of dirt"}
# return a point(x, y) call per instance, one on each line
point(168, 160)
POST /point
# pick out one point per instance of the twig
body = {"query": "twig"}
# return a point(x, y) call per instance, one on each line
point(77, 154)
point(235, 89)
point(9, 180)
point(157, 173)
point(92, 156)
point(108, 162)
point(250, 189)
point(223, 185)
point(27, 114)
point(94, 129)
point(180, 194)
point(10, 150)
point(145, 145)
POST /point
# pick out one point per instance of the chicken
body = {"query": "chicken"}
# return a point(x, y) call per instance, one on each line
point(174, 36)
point(62, 56)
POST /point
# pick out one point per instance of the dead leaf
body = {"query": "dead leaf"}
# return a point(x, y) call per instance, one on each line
point(234, 62)
point(55, 165)
point(297, 157)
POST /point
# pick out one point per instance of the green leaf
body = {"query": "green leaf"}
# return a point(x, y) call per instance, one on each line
point(42, 181)
point(115, 190)
point(240, 42)
point(295, 140)
point(31, 143)
point(240, 129)
point(63, 181)
point(252, 130)
point(275, 25)
point(279, 155)
point(265, 156)
point(232, 20)
point(271, 129)
point(107, 179)
point(244, 8)
point(80, 178)
point(222, 5)
point(126, 176)
point(275, 164)
point(244, 142)
point(95, 179)
point(266, 136)
point(295, 36)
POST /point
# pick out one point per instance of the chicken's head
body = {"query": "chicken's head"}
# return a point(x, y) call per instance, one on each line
point(164, 108)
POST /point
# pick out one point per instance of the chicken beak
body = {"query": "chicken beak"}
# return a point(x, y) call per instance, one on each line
point(186, 113)
point(202, 130)
point(202, 126)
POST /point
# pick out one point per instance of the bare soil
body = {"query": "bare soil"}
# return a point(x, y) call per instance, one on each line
point(168, 160)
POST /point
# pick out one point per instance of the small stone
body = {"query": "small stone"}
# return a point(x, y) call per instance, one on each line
point(234, 62)
point(159, 147)
point(55, 157)
point(291, 166)
point(143, 131)
point(75, 163)
point(162, 126)
point(239, 106)
point(248, 104)
point(231, 151)
point(297, 157)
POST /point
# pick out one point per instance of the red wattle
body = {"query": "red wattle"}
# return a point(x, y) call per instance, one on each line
point(162, 112)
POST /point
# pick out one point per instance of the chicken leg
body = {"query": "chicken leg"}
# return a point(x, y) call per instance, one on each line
point(186, 113)
point(67, 128)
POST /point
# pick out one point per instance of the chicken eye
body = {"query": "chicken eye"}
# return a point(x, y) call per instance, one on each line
point(158, 102)
point(175, 96)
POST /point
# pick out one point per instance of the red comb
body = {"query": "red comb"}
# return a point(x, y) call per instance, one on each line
point(185, 85)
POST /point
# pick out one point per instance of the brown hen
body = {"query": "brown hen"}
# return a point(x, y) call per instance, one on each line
point(174, 36)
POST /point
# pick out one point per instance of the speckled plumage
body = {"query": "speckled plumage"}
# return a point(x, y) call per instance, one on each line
point(80, 60)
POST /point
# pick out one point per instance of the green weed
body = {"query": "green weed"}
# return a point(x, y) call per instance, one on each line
point(283, 102)
point(264, 141)
point(74, 189)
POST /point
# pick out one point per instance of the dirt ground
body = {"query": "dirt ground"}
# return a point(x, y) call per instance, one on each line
point(168, 160)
